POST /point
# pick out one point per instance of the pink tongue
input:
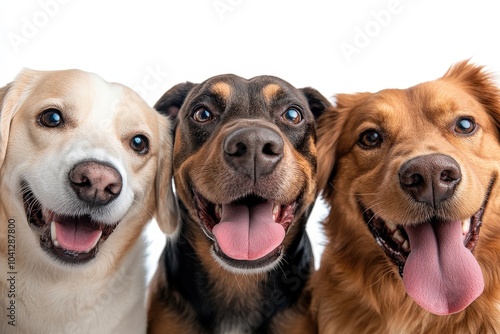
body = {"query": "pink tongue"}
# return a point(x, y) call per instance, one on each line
point(248, 233)
point(76, 237)
point(441, 274)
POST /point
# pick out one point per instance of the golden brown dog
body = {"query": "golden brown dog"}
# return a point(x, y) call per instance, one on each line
point(412, 179)
point(245, 175)
point(84, 165)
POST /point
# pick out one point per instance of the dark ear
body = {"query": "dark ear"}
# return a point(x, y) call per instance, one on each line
point(317, 102)
point(171, 102)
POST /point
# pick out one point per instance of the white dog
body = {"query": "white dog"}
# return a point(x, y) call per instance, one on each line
point(84, 165)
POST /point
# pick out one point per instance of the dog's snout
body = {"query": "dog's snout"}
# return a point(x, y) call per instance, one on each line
point(95, 182)
point(253, 151)
point(430, 178)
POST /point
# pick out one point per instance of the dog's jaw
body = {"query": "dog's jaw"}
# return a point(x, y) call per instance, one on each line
point(79, 248)
point(257, 260)
point(395, 241)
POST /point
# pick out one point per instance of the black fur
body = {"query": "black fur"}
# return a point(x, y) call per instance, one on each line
point(189, 289)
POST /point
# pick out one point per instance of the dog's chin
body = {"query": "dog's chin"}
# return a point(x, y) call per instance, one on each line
point(70, 239)
point(247, 234)
point(259, 266)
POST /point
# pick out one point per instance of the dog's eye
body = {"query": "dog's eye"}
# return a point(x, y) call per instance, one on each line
point(140, 144)
point(465, 126)
point(202, 115)
point(370, 139)
point(50, 118)
point(292, 115)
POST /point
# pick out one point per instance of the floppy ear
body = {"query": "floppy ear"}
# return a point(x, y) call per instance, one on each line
point(10, 95)
point(329, 129)
point(6, 115)
point(167, 211)
point(479, 83)
point(171, 102)
point(317, 102)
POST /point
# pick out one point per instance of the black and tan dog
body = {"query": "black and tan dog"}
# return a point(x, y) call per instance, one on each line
point(245, 172)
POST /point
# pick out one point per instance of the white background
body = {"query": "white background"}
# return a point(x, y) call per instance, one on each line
point(334, 46)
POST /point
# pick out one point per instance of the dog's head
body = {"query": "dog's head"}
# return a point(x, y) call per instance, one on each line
point(83, 160)
point(414, 171)
point(245, 163)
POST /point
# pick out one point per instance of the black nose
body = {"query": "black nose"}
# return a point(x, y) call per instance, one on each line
point(95, 183)
point(253, 151)
point(430, 178)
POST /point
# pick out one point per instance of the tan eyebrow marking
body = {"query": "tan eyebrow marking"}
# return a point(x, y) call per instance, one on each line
point(223, 89)
point(270, 91)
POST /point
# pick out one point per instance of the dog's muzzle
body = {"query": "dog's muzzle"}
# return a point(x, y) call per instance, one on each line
point(76, 238)
point(253, 151)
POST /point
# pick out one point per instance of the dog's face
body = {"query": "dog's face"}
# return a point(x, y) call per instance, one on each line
point(244, 164)
point(413, 171)
point(80, 158)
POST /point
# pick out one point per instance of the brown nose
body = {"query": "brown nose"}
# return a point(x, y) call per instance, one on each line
point(430, 178)
point(253, 151)
point(95, 183)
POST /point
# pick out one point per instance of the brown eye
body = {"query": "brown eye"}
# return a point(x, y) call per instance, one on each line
point(50, 118)
point(202, 115)
point(140, 144)
point(370, 139)
point(465, 126)
point(292, 115)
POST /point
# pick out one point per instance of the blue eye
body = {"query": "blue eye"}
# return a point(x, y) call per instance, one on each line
point(465, 126)
point(50, 118)
point(202, 115)
point(292, 115)
point(140, 144)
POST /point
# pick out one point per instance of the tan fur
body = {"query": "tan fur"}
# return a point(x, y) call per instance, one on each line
point(357, 288)
point(222, 89)
point(269, 91)
point(106, 294)
point(293, 170)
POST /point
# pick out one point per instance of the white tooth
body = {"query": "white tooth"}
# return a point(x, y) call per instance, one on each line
point(276, 209)
point(398, 236)
point(391, 226)
point(466, 226)
point(406, 246)
point(95, 243)
point(53, 234)
point(218, 210)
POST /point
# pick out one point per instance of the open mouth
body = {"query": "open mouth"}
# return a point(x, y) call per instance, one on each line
point(434, 258)
point(73, 239)
point(394, 241)
point(247, 233)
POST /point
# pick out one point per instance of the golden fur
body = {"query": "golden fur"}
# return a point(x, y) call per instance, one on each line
point(358, 288)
